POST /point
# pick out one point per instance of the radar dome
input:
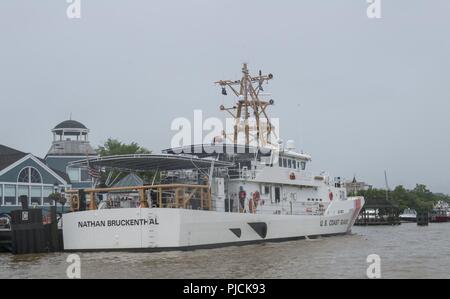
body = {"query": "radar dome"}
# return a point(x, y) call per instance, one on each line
point(290, 145)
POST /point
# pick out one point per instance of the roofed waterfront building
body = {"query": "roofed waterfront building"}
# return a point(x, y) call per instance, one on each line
point(71, 143)
point(25, 174)
point(353, 187)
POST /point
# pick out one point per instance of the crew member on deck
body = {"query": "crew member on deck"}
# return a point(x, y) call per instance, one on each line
point(242, 197)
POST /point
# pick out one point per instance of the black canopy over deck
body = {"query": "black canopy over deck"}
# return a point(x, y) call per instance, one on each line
point(213, 150)
point(149, 162)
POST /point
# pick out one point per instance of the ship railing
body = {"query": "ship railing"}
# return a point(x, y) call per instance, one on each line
point(183, 196)
point(243, 173)
point(252, 174)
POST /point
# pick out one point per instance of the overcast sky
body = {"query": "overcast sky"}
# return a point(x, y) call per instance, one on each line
point(360, 95)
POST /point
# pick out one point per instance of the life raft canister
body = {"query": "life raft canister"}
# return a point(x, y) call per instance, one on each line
point(330, 195)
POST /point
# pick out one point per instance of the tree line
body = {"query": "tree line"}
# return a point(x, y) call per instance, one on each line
point(420, 198)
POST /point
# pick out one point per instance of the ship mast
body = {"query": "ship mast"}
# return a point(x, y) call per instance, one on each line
point(249, 105)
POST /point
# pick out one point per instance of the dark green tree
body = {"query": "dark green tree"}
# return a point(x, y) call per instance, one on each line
point(420, 198)
point(58, 198)
point(114, 147)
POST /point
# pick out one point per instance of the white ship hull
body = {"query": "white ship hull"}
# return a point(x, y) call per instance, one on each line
point(165, 229)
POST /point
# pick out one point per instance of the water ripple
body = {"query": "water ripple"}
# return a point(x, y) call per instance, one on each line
point(406, 251)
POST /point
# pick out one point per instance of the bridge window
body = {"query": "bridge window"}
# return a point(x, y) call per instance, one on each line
point(303, 165)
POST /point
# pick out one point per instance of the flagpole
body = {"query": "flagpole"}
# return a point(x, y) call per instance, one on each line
point(93, 173)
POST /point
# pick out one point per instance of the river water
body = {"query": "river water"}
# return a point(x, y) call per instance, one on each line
point(406, 251)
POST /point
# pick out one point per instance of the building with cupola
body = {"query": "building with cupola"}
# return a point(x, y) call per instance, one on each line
point(24, 174)
point(71, 143)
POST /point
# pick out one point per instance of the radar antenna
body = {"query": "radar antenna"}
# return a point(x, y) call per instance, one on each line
point(247, 90)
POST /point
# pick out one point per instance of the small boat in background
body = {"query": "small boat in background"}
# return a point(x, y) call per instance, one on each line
point(441, 212)
point(408, 215)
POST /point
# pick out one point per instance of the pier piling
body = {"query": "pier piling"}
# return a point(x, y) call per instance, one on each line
point(423, 218)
